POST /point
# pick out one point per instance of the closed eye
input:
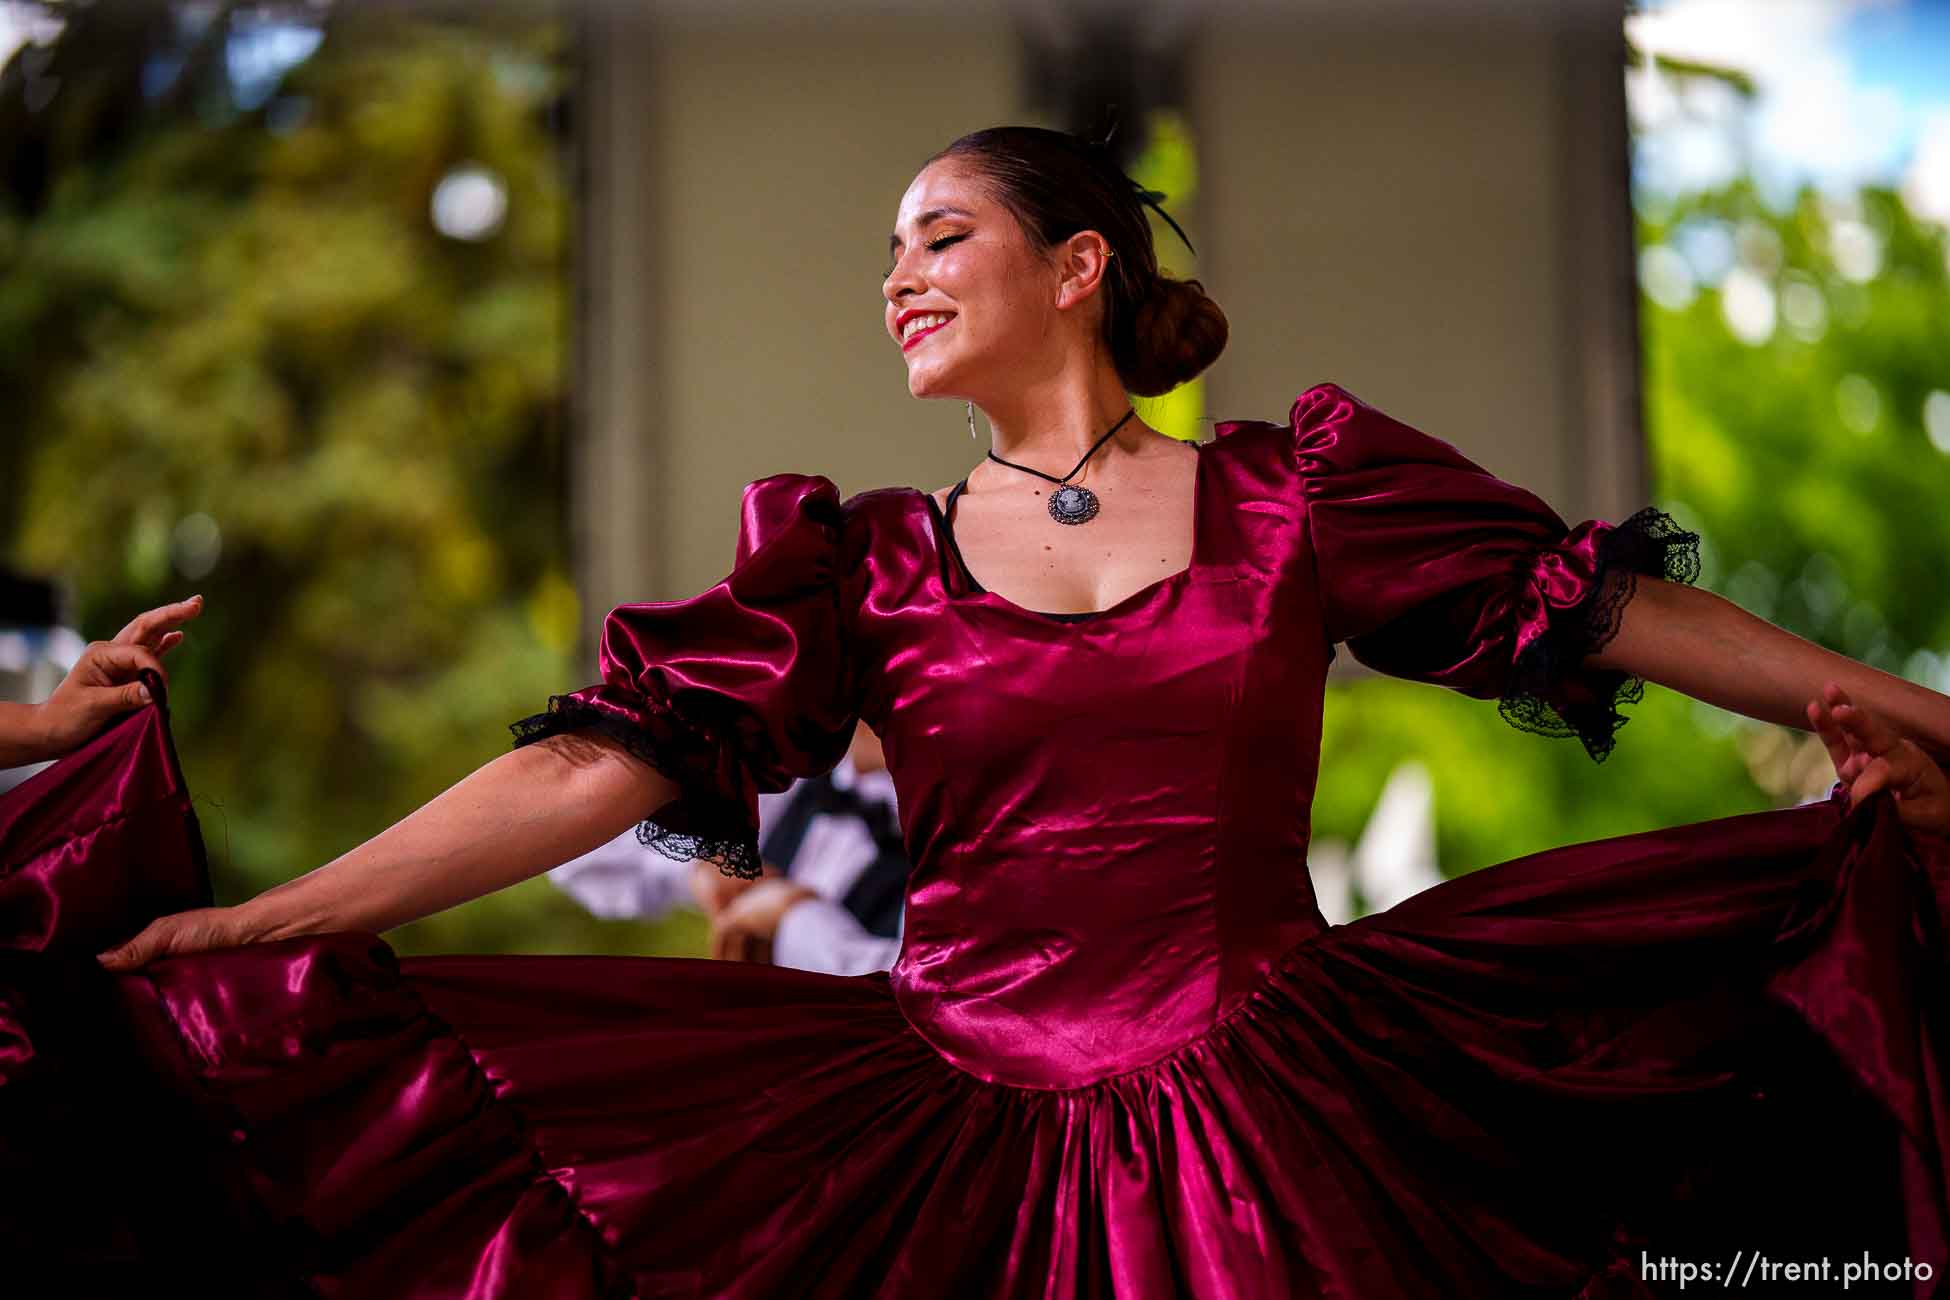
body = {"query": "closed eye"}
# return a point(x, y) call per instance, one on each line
point(934, 246)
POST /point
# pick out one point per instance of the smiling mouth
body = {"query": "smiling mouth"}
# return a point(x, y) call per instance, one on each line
point(918, 335)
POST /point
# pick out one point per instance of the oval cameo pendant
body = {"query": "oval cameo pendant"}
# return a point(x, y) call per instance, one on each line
point(1071, 504)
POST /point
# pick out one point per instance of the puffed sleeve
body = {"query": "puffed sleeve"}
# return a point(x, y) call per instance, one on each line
point(1429, 567)
point(740, 689)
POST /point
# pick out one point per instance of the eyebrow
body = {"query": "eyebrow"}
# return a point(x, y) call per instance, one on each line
point(931, 215)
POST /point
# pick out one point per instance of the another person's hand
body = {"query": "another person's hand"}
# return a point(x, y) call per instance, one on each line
point(104, 681)
point(714, 890)
point(746, 928)
point(197, 930)
point(1870, 755)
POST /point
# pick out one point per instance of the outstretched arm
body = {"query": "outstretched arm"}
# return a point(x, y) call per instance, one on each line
point(511, 819)
point(1708, 647)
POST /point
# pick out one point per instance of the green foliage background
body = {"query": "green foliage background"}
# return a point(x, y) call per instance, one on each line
point(249, 315)
point(1837, 534)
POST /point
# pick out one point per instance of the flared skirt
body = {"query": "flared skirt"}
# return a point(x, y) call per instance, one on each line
point(1698, 1058)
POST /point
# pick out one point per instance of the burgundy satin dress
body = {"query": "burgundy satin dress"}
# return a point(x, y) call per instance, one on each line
point(1122, 1054)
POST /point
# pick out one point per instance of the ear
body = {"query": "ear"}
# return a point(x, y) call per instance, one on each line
point(1083, 264)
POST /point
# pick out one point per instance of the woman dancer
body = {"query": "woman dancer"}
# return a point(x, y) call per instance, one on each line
point(1121, 1053)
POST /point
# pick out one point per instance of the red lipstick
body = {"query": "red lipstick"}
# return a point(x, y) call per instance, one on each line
point(910, 342)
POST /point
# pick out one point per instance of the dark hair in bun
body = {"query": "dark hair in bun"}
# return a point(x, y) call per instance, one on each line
point(1161, 330)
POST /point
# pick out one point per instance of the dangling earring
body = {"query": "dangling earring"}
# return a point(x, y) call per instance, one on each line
point(971, 419)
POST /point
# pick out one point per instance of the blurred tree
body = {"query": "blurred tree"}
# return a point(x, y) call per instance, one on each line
point(1791, 360)
point(1501, 793)
point(285, 321)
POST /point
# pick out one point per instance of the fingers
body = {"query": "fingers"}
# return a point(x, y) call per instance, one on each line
point(104, 684)
point(1902, 771)
point(1871, 745)
point(1833, 738)
point(111, 662)
point(136, 952)
point(731, 943)
point(726, 937)
point(1847, 750)
point(196, 930)
point(739, 930)
point(1867, 732)
point(152, 626)
point(1864, 731)
point(1876, 776)
point(1836, 699)
point(123, 958)
point(1882, 758)
point(704, 890)
point(1868, 754)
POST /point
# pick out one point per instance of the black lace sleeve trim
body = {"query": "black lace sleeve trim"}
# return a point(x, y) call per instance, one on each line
point(1550, 694)
point(736, 854)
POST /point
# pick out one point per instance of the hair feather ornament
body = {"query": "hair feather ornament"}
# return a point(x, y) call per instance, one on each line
point(1154, 198)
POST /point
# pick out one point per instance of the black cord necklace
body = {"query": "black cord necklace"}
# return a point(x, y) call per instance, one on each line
point(1071, 503)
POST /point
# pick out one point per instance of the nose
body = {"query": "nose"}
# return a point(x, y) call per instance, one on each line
point(902, 280)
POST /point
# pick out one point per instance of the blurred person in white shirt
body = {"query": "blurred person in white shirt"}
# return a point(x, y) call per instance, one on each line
point(834, 883)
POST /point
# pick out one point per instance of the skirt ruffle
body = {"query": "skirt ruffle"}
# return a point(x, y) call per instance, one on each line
point(1539, 1079)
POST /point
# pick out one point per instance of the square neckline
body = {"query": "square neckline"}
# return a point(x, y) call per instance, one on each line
point(942, 531)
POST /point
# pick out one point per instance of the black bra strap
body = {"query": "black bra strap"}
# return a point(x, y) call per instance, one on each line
point(948, 524)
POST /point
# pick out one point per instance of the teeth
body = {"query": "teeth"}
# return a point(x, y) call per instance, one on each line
point(921, 323)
